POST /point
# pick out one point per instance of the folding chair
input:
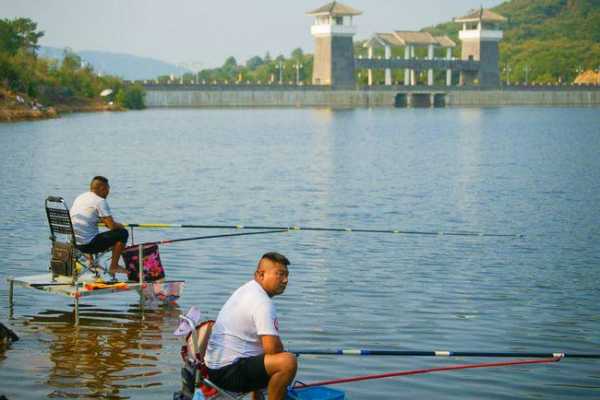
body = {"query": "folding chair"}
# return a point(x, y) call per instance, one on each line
point(194, 372)
point(66, 259)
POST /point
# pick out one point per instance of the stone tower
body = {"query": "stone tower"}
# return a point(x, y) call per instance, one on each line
point(480, 35)
point(334, 51)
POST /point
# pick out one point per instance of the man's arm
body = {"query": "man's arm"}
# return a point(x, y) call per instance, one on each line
point(271, 344)
point(111, 223)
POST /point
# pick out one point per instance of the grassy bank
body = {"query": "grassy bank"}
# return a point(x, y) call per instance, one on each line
point(35, 88)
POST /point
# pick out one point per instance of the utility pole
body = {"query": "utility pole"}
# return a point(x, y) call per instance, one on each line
point(280, 72)
point(298, 67)
point(507, 70)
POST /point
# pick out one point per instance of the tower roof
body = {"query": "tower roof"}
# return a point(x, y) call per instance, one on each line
point(334, 9)
point(481, 14)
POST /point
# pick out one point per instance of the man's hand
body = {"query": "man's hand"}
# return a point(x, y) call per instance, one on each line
point(271, 344)
point(111, 223)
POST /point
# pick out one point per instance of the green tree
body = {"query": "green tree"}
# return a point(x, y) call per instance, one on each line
point(297, 54)
point(19, 34)
point(254, 62)
point(131, 97)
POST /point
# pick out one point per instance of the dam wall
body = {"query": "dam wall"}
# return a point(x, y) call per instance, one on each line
point(170, 95)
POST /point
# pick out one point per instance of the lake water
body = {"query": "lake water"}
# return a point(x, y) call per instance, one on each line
point(530, 171)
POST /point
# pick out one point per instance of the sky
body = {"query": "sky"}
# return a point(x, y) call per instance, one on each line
point(202, 34)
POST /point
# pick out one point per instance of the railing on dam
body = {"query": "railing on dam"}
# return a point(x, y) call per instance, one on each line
point(253, 86)
point(399, 63)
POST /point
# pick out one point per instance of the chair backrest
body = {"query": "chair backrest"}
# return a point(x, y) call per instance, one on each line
point(63, 251)
point(59, 219)
point(197, 341)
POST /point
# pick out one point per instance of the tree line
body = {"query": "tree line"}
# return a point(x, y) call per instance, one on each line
point(295, 69)
point(545, 41)
point(50, 81)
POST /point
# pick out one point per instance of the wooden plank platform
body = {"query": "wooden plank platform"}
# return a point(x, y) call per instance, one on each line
point(64, 286)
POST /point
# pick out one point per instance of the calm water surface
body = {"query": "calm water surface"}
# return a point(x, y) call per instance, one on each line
point(533, 171)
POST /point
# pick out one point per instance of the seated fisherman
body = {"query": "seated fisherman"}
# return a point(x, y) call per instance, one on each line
point(87, 211)
point(245, 352)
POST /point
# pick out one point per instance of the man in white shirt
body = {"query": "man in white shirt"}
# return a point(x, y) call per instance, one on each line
point(87, 211)
point(245, 352)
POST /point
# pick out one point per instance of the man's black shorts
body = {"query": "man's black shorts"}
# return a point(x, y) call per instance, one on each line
point(243, 376)
point(104, 241)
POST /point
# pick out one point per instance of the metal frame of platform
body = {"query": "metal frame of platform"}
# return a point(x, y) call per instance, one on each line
point(64, 286)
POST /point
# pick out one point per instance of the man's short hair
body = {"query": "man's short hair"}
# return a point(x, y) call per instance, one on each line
point(276, 258)
point(99, 178)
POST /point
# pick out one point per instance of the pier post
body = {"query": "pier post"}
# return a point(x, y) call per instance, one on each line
point(406, 70)
point(388, 72)
point(370, 71)
point(413, 80)
point(430, 70)
point(76, 307)
point(448, 71)
point(141, 272)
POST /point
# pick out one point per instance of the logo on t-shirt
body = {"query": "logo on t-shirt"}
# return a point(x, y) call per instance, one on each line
point(276, 324)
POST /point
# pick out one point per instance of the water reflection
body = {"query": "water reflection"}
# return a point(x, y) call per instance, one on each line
point(109, 352)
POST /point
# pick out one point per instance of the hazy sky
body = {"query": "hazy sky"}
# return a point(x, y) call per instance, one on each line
point(206, 32)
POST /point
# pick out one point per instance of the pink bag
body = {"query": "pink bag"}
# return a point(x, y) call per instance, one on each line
point(153, 268)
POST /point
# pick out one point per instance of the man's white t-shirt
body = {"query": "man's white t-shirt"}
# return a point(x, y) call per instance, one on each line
point(248, 314)
point(86, 211)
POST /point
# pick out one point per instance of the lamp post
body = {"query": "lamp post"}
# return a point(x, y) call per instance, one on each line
point(507, 71)
point(280, 68)
point(298, 67)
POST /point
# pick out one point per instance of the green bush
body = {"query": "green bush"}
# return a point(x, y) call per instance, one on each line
point(131, 97)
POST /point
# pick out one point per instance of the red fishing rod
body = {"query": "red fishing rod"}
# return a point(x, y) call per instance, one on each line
point(300, 385)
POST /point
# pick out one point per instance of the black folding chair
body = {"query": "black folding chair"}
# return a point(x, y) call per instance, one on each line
point(66, 258)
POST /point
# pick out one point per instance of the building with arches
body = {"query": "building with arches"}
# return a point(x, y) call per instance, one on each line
point(335, 63)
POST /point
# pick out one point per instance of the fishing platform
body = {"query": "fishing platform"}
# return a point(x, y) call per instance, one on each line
point(71, 275)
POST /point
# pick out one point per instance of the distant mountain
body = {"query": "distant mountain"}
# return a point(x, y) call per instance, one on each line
point(545, 40)
point(126, 66)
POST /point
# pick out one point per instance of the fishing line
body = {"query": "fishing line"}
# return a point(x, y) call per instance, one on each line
point(325, 229)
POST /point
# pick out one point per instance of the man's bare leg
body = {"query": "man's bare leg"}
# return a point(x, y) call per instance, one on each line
point(90, 259)
point(114, 262)
point(281, 368)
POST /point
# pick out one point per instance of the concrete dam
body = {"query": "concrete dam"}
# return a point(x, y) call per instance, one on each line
point(242, 95)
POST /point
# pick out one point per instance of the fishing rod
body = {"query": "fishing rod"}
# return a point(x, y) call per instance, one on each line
point(323, 229)
point(300, 385)
point(169, 241)
point(414, 353)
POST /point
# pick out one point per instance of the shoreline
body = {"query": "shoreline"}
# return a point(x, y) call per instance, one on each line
point(19, 114)
point(17, 107)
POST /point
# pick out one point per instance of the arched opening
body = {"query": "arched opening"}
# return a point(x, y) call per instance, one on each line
point(401, 101)
point(439, 100)
point(420, 100)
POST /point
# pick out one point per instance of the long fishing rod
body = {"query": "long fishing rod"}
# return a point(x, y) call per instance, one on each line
point(300, 385)
point(211, 237)
point(322, 229)
point(415, 353)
